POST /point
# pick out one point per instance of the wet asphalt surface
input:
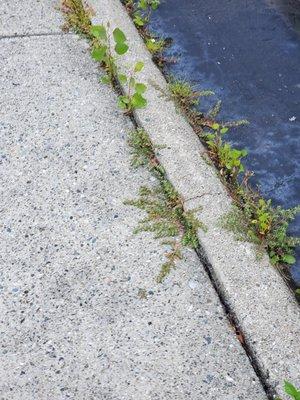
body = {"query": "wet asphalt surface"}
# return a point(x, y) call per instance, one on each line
point(248, 53)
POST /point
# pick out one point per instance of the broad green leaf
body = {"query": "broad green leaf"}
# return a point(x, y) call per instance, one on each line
point(216, 127)
point(297, 291)
point(140, 88)
point(289, 259)
point(121, 48)
point(123, 102)
point(138, 101)
point(138, 66)
point(99, 31)
point(122, 78)
point(119, 36)
point(98, 53)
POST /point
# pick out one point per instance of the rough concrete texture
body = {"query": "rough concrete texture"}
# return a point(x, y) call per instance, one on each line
point(74, 320)
point(260, 300)
point(19, 17)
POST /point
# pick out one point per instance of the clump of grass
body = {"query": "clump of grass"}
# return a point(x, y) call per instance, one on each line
point(166, 217)
point(185, 95)
point(155, 46)
point(78, 16)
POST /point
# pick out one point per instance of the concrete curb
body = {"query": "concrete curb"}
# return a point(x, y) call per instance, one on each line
point(263, 306)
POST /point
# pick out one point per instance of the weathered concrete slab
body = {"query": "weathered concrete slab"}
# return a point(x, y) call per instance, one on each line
point(72, 322)
point(19, 17)
point(261, 302)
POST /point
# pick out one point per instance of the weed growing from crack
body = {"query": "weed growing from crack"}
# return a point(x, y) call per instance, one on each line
point(105, 48)
point(166, 217)
point(256, 220)
point(184, 94)
point(77, 15)
point(141, 12)
point(133, 98)
point(291, 390)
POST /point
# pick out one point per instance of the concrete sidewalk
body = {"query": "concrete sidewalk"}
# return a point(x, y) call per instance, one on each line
point(73, 325)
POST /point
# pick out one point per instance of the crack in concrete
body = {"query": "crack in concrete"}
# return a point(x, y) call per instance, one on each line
point(28, 35)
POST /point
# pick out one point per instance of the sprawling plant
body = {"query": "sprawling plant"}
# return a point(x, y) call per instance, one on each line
point(165, 215)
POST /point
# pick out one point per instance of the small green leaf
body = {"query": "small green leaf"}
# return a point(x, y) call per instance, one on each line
point(138, 66)
point(138, 101)
point(122, 78)
point(140, 88)
point(123, 102)
point(121, 48)
point(138, 20)
point(98, 53)
point(297, 291)
point(216, 127)
point(291, 390)
point(119, 36)
point(99, 31)
point(289, 259)
point(224, 130)
point(105, 79)
point(143, 4)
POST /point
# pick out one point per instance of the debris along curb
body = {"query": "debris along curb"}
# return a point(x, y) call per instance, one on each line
point(262, 305)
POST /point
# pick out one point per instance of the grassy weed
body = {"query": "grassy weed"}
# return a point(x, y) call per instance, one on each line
point(291, 390)
point(166, 217)
point(77, 15)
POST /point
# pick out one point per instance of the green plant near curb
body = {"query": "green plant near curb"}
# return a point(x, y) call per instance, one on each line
point(102, 49)
point(105, 48)
point(166, 217)
point(252, 218)
point(291, 390)
point(256, 220)
point(143, 10)
point(184, 94)
point(227, 159)
point(155, 46)
point(134, 94)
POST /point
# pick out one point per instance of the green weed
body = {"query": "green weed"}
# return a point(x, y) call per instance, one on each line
point(77, 15)
point(166, 217)
point(142, 12)
point(155, 46)
point(252, 218)
point(185, 95)
point(105, 48)
point(256, 220)
point(102, 52)
point(134, 95)
point(227, 159)
point(102, 49)
point(291, 390)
